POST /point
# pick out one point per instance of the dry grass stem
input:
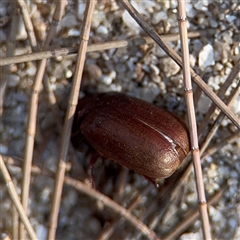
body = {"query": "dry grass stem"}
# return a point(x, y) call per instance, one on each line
point(84, 188)
point(192, 120)
point(124, 205)
point(91, 48)
point(73, 99)
point(190, 218)
point(151, 32)
point(235, 93)
point(233, 138)
point(15, 199)
point(28, 25)
point(107, 233)
point(221, 93)
point(32, 117)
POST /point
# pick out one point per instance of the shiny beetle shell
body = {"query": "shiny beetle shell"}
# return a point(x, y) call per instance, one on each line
point(136, 134)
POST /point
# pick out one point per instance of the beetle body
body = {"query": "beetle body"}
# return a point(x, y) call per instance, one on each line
point(134, 133)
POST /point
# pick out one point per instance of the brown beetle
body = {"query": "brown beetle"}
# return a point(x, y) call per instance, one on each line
point(134, 133)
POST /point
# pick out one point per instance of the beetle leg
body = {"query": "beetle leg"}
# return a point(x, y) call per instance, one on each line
point(93, 160)
point(153, 181)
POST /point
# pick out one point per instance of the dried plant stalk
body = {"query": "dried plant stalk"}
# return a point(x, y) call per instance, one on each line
point(220, 118)
point(32, 117)
point(91, 48)
point(84, 188)
point(191, 217)
point(73, 99)
point(15, 199)
point(28, 25)
point(151, 32)
point(192, 120)
point(234, 73)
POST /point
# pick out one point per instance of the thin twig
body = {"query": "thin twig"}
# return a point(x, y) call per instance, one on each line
point(15, 199)
point(192, 120)
point(151, 32)
point(32, 117)
point(91, 48)
point(84, 188)
point(219, 119)
point(234, 73)
point(107, 233)
point(190, 218)
point(73, 99)
point(15, 219)
point(221, 144)
point(28, 25)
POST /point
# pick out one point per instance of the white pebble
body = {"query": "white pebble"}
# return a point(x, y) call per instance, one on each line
point(192, 60)
point(191, 12)
point(3, 10)
point(155, 69)
point(3, 149)
point(21, 34)
point(31, 69)
point(230, 18)
point(106, 79)
point(158, 16)
point(218, 66)
point(234, 174)
point(236, 50)
point(206, 57)
point(233, 223)
point(170, 68)
point(13, 80)
point(80, 9)
point(99, 17)
point(192, 236)
point(130, 22)
point(150, 92)
point(215, 214)
point(213, 23)
point(68, 73)
point(73, 32)
point(236, 106)
point(102, 30)
point(203, 103)
point(223, 171)
point(46, 193)
point(69, 21)
point(41, 231)
point(199, 6)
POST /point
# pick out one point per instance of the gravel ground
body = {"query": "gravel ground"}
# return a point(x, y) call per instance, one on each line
point(153, 77)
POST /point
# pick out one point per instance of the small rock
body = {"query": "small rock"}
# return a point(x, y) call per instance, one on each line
point(94, 71)
point(3, 149)
point(21, 33)
point(13, 80)
point(150, 92)
point(203, 104)
point(230, 18)
point(69, 21)
point(102, 30)
point(80, 9)
point(31, 69)
point(169, 67)
point(68, 73)
point(206, 57)
point(130, 22)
